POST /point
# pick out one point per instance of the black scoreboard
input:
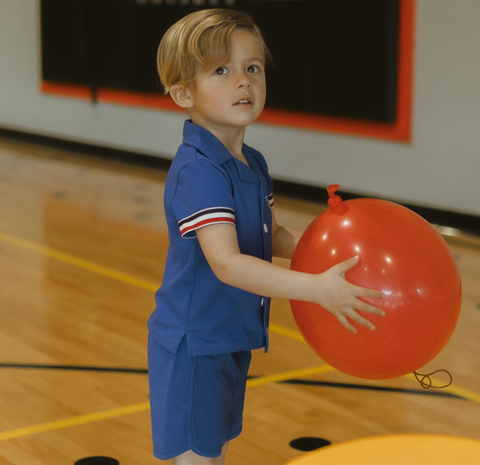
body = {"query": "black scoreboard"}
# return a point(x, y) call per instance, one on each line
point(331, 57)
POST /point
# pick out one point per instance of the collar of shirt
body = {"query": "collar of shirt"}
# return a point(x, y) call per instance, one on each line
point(205, 142)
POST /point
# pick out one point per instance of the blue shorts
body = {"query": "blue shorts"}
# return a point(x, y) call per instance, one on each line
point(196, 402)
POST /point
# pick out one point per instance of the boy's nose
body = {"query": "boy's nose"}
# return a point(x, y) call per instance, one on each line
point(243, 80)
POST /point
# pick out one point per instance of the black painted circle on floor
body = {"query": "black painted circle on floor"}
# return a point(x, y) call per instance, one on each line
point(309, 444)
point(97, 461)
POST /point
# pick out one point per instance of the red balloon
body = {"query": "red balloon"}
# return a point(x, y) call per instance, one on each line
point(402, 255)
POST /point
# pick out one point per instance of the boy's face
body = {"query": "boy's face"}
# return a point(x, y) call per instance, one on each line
point(231, 96)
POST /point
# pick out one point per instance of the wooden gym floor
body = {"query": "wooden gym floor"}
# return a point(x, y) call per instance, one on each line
point(82, 248)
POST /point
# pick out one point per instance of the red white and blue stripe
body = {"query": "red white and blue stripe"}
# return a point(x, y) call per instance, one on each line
point(206, 217)
point(271, 201)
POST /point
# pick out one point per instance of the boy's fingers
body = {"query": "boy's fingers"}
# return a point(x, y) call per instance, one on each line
point(347, 264)
point(365, 292)
point(342, 319)
point(365, 307)
point(360, 291)
point(357, 318)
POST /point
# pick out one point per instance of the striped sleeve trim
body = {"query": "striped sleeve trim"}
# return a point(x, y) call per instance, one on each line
point(206, 217)
point(271, 201)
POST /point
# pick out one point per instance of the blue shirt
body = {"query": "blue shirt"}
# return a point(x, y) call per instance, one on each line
point(207, 185)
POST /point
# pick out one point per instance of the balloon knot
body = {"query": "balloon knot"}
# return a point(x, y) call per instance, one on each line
point(335, 202)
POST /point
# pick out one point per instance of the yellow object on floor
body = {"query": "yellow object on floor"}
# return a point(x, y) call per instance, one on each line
point(397, 450)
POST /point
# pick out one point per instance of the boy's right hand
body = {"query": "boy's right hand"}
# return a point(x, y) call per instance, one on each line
point(340, 297)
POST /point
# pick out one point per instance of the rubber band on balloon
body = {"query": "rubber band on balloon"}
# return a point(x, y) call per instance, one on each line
point(427, 385)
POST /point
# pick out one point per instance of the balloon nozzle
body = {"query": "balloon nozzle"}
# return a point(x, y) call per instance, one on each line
point(335, 202)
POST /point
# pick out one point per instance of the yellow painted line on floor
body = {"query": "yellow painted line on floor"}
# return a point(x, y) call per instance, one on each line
point(80, 262)
point(144, 406)
point(290, 333)
point(295, 374)
point(104, 271)
point(74, 421)
point(465, 393)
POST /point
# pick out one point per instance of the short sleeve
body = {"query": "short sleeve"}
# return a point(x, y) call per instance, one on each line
point(203, 197)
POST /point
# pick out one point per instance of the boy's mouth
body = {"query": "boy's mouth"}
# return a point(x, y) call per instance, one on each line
point(243, 101)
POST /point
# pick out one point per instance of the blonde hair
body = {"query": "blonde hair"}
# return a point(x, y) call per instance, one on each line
point(200, 41)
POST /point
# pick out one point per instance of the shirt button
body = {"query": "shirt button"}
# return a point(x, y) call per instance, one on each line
point(263, 301)
point(265, 227)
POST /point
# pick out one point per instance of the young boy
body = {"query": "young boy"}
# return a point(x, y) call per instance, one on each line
point(213, 305)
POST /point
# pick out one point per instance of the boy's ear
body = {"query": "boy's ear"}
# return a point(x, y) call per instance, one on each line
point(181, 96)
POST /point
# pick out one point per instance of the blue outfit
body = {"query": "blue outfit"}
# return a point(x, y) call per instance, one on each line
point(200, 321)
point(208, 185)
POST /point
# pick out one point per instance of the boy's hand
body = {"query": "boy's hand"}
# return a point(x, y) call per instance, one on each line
point(339, 297)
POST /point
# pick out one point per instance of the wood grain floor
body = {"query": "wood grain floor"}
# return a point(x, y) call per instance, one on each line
point(82, 248)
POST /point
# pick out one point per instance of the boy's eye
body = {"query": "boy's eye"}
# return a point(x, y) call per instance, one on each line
point(253, 69)
point(221, 70)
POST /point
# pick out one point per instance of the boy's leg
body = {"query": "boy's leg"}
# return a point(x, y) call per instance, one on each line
point(191, 458)
point(221, 460)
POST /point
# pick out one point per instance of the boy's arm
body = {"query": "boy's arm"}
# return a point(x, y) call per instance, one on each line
point(330, 289)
